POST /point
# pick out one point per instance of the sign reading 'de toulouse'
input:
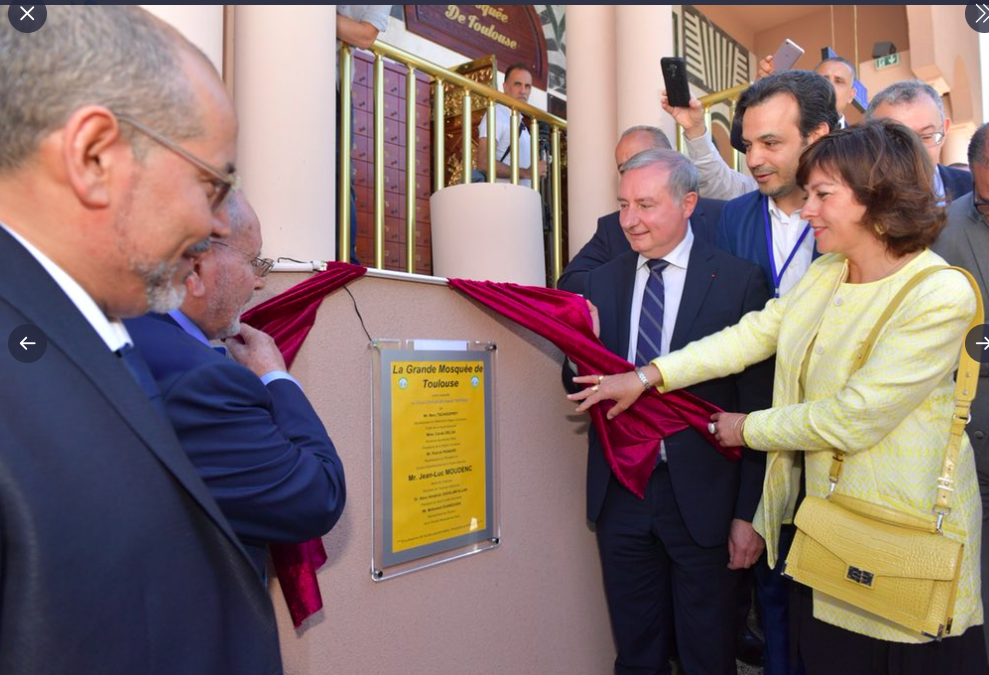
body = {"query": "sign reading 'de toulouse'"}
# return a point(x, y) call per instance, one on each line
point(512, 33)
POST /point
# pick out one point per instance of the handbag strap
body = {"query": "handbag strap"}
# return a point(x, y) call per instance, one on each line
point(965, 387)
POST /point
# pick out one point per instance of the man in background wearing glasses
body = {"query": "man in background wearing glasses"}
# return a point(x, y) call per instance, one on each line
point(114, 557)
point(965, 242)
point(249, 430)
point(918, 107)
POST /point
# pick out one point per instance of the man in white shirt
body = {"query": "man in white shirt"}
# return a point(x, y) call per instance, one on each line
point(115, 558)
point(518, 85)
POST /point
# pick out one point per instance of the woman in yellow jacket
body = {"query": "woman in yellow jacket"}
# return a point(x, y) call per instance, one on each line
point(873, 211)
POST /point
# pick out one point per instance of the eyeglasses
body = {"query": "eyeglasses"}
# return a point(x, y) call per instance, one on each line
point(223, 183)
point(261, 265)
point(932, 140)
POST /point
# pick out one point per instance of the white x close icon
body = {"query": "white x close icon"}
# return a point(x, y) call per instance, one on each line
point(27, 13)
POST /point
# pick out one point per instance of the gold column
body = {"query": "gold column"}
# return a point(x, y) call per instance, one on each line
point(465, 133)
point(410, 170)
point(439, 136)
point(379, 161)
point(557, 208)
point(534, 148)
point(515, 147)
point(344, 177)
point(492, 149)
point(736, 156)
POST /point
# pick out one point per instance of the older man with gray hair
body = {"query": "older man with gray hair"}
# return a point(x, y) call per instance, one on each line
point(609, 241)
point(919, 107)
point(671, 554)
point(116, 156)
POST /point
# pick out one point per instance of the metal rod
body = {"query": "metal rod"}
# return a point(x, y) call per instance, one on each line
point(410, 169)
point(439, 137)
point(736, 156)
point(514, 155)
point(492, 145)
point(534, 153)
point(379, 161)
point(459, 80)
point(557, 269)
point(344, 178)
point(465, 126)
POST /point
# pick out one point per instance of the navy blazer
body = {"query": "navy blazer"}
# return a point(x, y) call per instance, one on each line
point(610, 242)
point(742, 232)
point(262, 450)
point(957, 182)
point(114, 558)
point(719, 290)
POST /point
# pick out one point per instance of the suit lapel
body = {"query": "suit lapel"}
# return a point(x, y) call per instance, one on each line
point(701, 271)
point(980, 248)
point(30, 289)
point(623, 298)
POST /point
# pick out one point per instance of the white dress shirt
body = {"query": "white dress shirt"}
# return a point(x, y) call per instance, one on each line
point(111, 331)
point(786, 230)
point(503, 141)
point(715, 179)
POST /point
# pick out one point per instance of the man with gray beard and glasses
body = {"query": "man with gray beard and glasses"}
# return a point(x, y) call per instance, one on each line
point(114, 558)
point(245, 423)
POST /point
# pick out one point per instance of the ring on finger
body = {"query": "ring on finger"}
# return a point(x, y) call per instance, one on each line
point(711, 427)
point(595, 388)
point(600, 379)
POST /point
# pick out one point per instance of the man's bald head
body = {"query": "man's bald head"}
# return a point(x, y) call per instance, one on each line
point(636, 139)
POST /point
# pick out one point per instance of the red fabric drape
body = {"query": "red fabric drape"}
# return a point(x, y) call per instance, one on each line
point(287, 318)
point(631, 440)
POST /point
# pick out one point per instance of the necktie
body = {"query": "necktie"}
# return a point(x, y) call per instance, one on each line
point(139, 370)
point(650, 340)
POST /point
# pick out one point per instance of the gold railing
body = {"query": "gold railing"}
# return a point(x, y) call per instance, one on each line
point(729, 96)
point(439, 76)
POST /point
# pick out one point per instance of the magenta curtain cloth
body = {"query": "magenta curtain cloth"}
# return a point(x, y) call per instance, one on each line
point(288, 317)
point(631, 440)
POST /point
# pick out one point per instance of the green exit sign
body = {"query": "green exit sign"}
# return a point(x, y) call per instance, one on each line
point(888, 61)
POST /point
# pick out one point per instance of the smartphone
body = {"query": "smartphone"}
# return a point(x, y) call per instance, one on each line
point(675, 77)
point(787, 55)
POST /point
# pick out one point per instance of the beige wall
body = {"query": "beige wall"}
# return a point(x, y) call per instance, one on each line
point(533, 605)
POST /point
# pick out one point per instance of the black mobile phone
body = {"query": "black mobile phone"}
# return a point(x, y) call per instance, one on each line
point(675, 77)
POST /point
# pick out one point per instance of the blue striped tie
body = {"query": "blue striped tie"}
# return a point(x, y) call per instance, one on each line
point(650, 340)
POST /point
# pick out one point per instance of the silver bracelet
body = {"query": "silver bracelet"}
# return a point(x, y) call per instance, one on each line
point(642, 378)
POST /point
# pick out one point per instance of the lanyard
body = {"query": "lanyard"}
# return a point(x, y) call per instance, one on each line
point(778, 276)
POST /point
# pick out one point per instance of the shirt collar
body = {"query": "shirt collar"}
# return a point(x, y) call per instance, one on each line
point(939, 186)
point(189, 326)
point(111, 331)
point(778, 214)
point(679, 256)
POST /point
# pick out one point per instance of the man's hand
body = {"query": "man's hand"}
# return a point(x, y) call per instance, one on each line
point(766, 68)
point(624, 389)
point(595, 318)
point(542, 168)
point(744, 545)
point(690, 118)
point(258, 351)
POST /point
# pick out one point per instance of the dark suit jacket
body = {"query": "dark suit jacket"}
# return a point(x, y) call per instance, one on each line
point(742, 232)
point(719, 290)
point(965, 242)
point(114, 558)
point(610, 242)
point(957, 182)
point(262, 450)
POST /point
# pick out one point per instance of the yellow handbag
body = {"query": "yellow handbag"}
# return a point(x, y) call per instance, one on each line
point(895, 565)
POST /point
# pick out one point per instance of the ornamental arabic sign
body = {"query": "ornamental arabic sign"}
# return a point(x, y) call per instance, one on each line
point(513, 33)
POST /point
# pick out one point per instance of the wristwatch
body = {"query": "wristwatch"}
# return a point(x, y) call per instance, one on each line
point(642, 378)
